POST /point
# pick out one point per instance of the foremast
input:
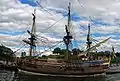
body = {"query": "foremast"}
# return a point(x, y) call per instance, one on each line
point(67, 39)
point(32, 38)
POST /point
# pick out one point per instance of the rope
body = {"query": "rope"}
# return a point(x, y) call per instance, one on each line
point(19, 48)
point(43, 8)
point(80, 3)
point(53, 24)
point(50, 48)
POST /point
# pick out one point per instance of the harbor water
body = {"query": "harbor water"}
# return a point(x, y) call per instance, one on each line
point(21, 76)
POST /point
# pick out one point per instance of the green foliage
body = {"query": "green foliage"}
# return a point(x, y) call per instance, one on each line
point(115, 60)
point(60, 51)
point(76, 51)
point(118, 54)
point(6, 54)
point(57, 50)
point(44, 57)
point(63, 52)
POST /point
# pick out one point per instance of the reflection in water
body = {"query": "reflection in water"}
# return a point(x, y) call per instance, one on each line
point(6, 75)
point(12, 76)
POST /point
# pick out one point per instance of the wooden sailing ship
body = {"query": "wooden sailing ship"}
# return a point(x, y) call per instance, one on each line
point(65, 66)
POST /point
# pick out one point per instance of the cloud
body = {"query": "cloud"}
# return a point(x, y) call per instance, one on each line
point(16, 19)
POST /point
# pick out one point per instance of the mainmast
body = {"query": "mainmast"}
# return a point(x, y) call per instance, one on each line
point(33, 30)
point(32, 34)
point(68, 37)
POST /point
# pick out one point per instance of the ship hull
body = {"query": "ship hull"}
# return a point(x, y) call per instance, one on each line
point(61, 75)
point(63, 68)
point(46, 70)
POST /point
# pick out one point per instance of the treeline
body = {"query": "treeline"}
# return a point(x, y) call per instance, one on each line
point(76, 51)
point(60, 51)
point(6, 54)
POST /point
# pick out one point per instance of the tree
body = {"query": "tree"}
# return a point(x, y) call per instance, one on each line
point(107, 53)
point(57, 50)
point(118, 54)
point(63, 52)
point(6, 54)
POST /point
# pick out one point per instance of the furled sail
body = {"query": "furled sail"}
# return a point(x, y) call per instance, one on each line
point(94, 47)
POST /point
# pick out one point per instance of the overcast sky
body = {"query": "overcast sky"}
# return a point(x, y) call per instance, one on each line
point(103, 15)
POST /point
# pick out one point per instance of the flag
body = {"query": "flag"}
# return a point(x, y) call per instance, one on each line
point(113, 53)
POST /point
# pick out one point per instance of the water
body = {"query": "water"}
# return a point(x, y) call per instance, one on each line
point(20, 76)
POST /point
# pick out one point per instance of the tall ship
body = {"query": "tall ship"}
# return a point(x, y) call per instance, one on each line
point(85, 64)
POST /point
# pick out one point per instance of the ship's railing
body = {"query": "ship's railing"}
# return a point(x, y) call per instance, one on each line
point(89, 63)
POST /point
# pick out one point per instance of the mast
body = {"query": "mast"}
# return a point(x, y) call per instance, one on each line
point(33, 34)
point(88, 40)
point(33, 30)
point(68, 37)
point(32, 38)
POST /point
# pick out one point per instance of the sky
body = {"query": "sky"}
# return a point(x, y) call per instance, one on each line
point(103, 15)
